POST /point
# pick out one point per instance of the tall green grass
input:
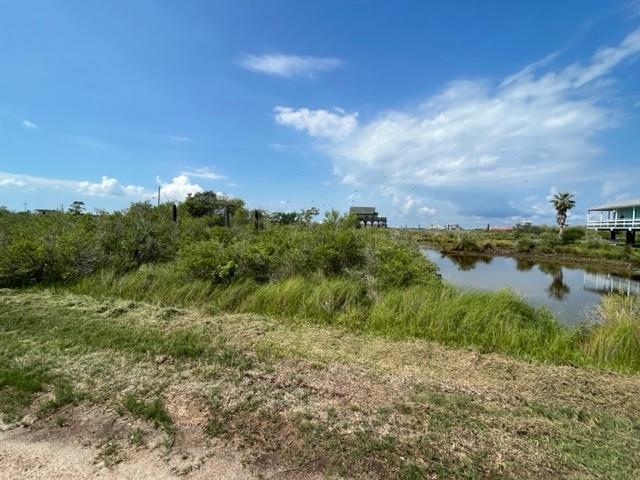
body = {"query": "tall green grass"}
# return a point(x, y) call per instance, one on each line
point(489, 321)
point(617, 340)
point(493, 321)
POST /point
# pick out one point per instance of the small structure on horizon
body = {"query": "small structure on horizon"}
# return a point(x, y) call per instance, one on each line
point(448, 226)
point(47, 211)
point(368, 215)
point(622, 216)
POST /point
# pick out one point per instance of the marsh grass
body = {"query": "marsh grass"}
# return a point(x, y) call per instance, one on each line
point(489, 321)
point(617, 340)
point(575, 243)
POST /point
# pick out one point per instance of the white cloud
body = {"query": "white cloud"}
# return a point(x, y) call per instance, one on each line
point(534, 126)
point(28, 124)
point(12, 182)
point(178, 188)
point(335, 124)
point(204, 172)
point(289, 65)
point(427, 211)
point(107, 187)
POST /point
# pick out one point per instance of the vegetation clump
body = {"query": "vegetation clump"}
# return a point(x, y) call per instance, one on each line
point(370, 280)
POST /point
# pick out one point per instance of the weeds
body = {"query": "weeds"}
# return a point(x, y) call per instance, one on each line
point(152, 411)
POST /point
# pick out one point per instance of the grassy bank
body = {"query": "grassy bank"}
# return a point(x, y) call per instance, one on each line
point(368, 280)
point(576, 245)
point(488, 321)
point(128, 380)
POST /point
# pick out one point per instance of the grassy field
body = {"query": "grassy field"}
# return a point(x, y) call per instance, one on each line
point(298, 400)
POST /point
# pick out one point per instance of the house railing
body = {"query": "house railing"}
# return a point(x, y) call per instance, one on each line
point(617, 223)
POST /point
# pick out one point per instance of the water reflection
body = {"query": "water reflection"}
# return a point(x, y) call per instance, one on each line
point(468, 262)
point(524, 265)
point(609, 283)
point(557, 289)
point(571, 292)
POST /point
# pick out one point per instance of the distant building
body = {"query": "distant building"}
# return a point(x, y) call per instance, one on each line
point(45, 211)
point(368, 215)
point(448, 226)
point(623, 216)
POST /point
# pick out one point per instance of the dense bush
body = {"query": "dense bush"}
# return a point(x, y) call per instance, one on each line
point(572, 235)
point(65, 247)
point(525, 244)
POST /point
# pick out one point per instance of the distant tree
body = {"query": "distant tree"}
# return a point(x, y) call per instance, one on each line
point(210, 204)
point(201, 203)
point(76, 207)
point(308, 214)
point(562, 202)
point(284, 218)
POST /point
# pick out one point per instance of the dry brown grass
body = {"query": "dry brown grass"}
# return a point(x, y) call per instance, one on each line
point(324, 403)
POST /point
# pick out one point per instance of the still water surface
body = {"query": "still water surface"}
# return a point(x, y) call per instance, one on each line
point(571, 293)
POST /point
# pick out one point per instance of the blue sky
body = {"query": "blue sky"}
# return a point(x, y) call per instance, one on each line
point(435, 112)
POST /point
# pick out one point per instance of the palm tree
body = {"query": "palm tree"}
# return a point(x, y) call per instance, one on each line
point(562, 202)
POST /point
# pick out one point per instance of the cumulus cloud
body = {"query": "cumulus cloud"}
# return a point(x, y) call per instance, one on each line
point(12, 182)
point(530, 128)
point(28, 124)
point(178, 188)
point(106, 187)
point(333, 124)
point(109, 187)
point(288, 66)
point(204, 172)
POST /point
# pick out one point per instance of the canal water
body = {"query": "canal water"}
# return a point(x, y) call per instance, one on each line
point(571, 293)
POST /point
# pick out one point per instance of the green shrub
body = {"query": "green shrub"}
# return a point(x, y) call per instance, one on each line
point(572, 235)
point(207, 260)
point(525, 245)
point(464, 242)
point(395, 264)
point(22, 262)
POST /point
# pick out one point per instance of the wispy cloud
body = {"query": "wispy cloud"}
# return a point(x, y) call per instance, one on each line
point(28, 124)
point(12, 182)
point(335, 124)
point(288, 66)
point(633, 7)
point(530, 128)
point(204, 172)
point(427, 211)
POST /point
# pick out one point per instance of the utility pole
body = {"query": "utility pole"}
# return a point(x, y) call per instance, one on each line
point(158, 195)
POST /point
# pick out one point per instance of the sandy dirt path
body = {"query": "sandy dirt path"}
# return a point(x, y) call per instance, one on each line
point(24, 457)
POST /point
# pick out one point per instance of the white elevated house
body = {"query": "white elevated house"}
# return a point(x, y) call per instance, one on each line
point(622, 216)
